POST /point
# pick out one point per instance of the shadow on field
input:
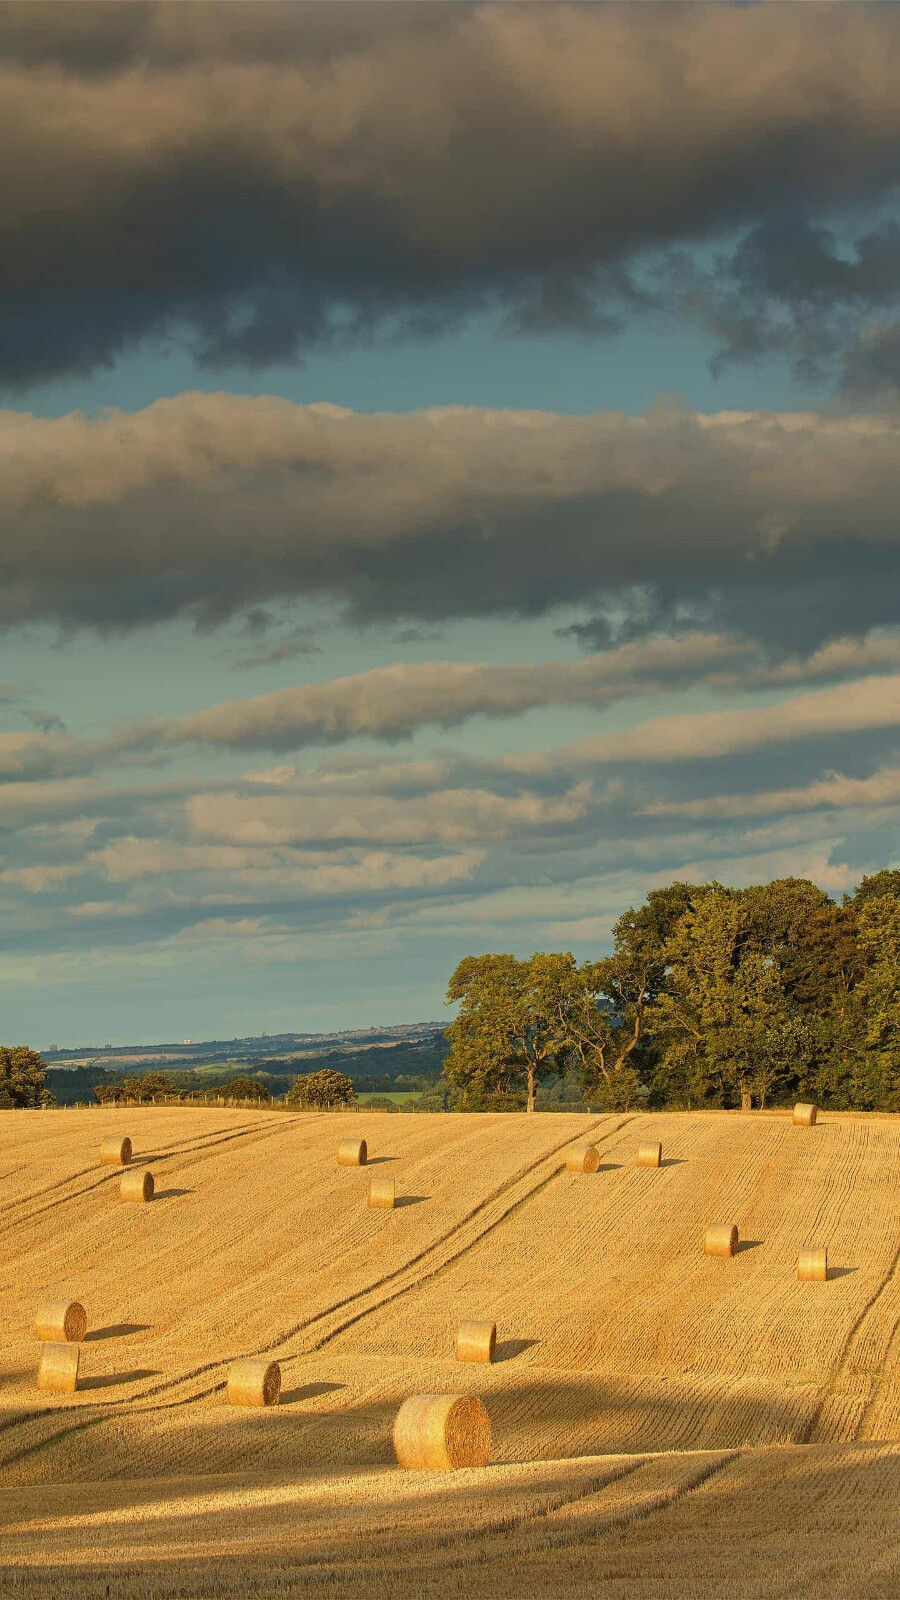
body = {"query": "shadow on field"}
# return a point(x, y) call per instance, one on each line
point(378, 1161)
point(840, 1272)
point(308, 1391)
point(171, 1194)
point(673, 1161)
point(748, 1244)
point(114, 1379)
point(410, 1200)
point(508, 1349)
point(411, 1539)
point(117, 1330)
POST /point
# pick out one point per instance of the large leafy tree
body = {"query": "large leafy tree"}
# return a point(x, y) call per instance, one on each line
point(511, 1031)
point(245, 1088)
point(22, 1073)
point(611, 1013)
point(325, 1090)
point(879, 995)
point(722, 1007)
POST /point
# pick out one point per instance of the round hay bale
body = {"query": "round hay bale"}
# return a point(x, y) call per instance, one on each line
point(812, 1266)
point(721, 1239)
point(137, 1185)
point(352, 1153)
point(61, 1321)
point(804, 1115)
point(649, 1155)
point(115, 1152)
point(381, 1194)
point(58, 1368)
point(254, 1382)
point(584, 1158)
point(476, 1341)
point(442, 1430)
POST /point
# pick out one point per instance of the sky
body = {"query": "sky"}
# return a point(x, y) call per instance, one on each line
point(450, 463)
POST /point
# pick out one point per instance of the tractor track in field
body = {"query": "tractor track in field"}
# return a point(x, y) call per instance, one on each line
point(182, 1148)
point(514, 1192)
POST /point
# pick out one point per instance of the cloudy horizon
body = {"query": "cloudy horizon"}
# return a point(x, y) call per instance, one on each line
point(451, 459)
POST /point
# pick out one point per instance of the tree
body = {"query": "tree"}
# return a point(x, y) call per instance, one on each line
point(155, 1084)
point(876, 885)
point(721, 1008)
point(326, 1090)
point(381, 1102)
point(22, 1079)
point(610, 1012)
point(879, 934)
point(245, 1089)
point(510, 1033)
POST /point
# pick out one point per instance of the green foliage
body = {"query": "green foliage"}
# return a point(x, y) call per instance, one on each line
point(136, 1091)
point(325, 1090)
point(381, 1102)
point(711, 997)
point(244, 1088)
point(876, 886)
point(879, 994)
point(510, 1032)
point(22, 1074)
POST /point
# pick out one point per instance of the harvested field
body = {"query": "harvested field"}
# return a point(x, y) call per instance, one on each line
point(639, 1387)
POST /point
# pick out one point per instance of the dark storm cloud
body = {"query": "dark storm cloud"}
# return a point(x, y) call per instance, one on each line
point(780, 528)
point(257, 179)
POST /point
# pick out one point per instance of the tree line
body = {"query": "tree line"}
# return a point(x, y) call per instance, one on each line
point(712, 997)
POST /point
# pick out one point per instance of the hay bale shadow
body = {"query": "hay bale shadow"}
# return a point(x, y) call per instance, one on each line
point(508, 1349)
point(115, 1379)
point(117, 1330)
point(308, 1391)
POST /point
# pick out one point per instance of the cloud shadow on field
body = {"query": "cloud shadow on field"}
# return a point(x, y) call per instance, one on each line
point(508, 1349)
point(117, 1330)
point(112, 1380)
point(308, 1391)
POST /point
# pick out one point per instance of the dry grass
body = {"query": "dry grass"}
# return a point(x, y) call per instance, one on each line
point(625, 1356)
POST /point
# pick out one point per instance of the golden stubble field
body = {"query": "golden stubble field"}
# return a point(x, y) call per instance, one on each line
point(664, 1424)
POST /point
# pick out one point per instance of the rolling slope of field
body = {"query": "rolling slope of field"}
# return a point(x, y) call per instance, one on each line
point(642, 1393)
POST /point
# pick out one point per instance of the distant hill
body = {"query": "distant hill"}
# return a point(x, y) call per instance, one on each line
point(406, 1057)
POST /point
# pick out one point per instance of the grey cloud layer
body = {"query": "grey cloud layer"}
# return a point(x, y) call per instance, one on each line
point(260, 178)
point(780, 527)
point(393, 703)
